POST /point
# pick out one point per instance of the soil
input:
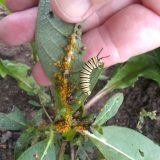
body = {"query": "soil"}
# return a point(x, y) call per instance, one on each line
point(145, 94)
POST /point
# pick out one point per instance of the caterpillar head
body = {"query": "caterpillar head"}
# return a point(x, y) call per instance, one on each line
point(100, 62)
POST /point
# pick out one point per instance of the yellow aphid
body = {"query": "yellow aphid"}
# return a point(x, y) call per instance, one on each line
point(62, 84)
point(62, 126)
point(68, 54)
point(72, 57)
point(68, 48)
point(80, 127)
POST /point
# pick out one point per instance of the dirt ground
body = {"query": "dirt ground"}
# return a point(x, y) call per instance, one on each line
point(145, 94)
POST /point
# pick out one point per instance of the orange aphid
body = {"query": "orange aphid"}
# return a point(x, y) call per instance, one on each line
point(72, 57)
point(62, 84)
point(80, 127)
point(62, 126)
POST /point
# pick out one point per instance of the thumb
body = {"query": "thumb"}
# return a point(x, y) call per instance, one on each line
point(75, 10)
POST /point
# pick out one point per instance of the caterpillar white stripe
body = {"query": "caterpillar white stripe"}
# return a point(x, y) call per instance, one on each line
point(86, 71)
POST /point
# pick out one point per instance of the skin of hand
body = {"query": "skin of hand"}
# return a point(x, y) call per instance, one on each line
point(123, 28)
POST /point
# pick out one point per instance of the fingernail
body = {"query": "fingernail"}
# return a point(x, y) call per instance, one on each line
point(95, 5)
point(71, 10)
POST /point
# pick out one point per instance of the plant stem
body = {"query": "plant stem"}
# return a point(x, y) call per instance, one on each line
point(62, 150)
point(96, 98)
point(72, 152)
point(45, 111)
point(48, 144)
point(51, 91)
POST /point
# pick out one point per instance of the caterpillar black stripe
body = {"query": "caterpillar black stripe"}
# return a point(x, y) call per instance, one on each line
point(86, 71)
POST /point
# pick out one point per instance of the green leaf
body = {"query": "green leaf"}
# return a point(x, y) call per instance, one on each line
point(85, 148)
point(145, 114)
point(19, 71)
point(110, 109)
point(69, 135)
point(67, 157)
point(34, 103)
point(44, 150)
point(37, 119)
point(12, 121)
point(45, 98)
point(2, 2)
point(103, 77)
point(156, 53)
point(23, 142)
point(127, 74)
point(51, 34)
point(82, 154)
point(121, 143)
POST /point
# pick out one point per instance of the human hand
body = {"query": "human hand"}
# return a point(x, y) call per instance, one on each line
point(122, 28)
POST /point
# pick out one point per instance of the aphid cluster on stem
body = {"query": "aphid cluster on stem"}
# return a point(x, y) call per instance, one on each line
point(62, 84)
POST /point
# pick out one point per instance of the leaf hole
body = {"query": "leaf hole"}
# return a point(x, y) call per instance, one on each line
point(51, 15)
point(141, 153)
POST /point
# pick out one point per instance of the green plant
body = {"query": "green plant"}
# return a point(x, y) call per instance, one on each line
point(144, 114)
point(60, 51)
point(19, 72)
point(2, 3)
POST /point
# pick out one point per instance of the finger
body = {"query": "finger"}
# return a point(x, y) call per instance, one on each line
point(132, 31)
point(94, 11)
point(40, 76)
point(19, 27)
point(20, 5)
point(75, 11)
point(153, 5)
point(98, 17)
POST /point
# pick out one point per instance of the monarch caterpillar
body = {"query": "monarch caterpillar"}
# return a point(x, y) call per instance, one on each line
point(86, 71)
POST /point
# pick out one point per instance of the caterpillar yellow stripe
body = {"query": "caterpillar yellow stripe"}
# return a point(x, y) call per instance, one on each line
point(85, 73)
